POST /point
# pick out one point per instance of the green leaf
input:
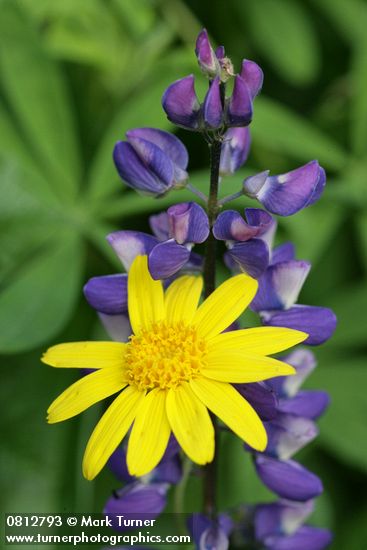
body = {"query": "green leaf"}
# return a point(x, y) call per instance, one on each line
point(284, 32)
point(362, 234)
point(359, 102)
point(343, 428)
point(283, 131)
point(36, 92)
point(348, 16)
point(40, 299)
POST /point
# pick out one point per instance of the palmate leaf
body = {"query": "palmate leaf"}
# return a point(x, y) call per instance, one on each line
point(39, 300)
point(36, 92)
point(284, 33)
point(343, 428)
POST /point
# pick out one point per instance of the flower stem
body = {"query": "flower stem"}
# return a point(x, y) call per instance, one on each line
point(210, 472)
point(230, 198)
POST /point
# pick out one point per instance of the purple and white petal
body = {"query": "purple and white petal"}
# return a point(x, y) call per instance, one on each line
point(230, 226)
point(283, 253)
point(288, 193)
point(318, 322)
point(129, 244)
point(154, 159)
point(283, 517)
point(159, 225)
point(188, 223)
point(319, 188)
point(181, 103)
point(287, 434)
point(139, 176)
point(307, 403)
point(288, 478)
point(280, 285)
point(167, 258)
point(214, 538)
point(304, 361)
point(198, 523)
point(253, 75)
point(306, 538)
point(252, 256)
point(261, 398)
point(117, 327)
point(138, 498)
point(169, 143)
point(212, 106)
point(107, 294)
point(207, 59)
point(235, 150)
point(239, 108)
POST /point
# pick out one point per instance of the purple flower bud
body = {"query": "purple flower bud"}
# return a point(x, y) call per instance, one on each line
point(188, 223)
point(307, 403)
point(107, 294)
point(252, 74)
point(318, 322)
point(212, 106)
point(129, 244)
point(282, 517)
point(220, 52)
point(260, 397)
point(306, 538)
point(181, 103)
point(287, 434)
point(207, 59)
point(280, 285)
point(151, 161)
point(287, 193)
point(304, 361)
point(287, 478)
point(138, 498)
point(235, 150)
point(230, 226)
point(239, 109)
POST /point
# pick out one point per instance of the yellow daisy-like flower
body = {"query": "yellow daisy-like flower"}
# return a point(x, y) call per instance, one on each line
point(176, 366)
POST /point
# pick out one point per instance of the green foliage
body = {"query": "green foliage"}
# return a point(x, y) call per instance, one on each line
point(75, 75)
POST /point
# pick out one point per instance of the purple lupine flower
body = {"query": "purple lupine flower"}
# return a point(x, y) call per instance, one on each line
point(181, 104)
point(239, 107)
point(210, 535)
point(151, 161)
point(260, 397)
point(275, 301)
point(253, 75)
point(235, 150)
point(247, 241)
point(287, 478)
point(304, 361)
point(288, 193)
point(137, 499)
point(307, 403)
point(187, 224)
point(212, 109)
point(207, 58)
point(282, 517)
point(287, 434)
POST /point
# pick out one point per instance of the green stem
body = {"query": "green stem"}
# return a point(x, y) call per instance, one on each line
point(179, 496)
point(210, 474)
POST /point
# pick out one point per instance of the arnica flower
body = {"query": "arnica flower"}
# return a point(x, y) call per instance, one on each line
point(175, 367)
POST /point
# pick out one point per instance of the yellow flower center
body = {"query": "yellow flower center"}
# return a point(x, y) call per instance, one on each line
point(164, 356)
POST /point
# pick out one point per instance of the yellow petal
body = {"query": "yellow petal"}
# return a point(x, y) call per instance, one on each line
point(150, 434)
point(182, 298)
point(85, 355)
point(145, 296)
point(225, 305)
point(224, 401)
point(86, 392)
point(110, 430)
point(191, 424)
point(259, 340)
point(235, 366)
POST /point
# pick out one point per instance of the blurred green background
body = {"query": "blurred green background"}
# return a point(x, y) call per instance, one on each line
point(75, 75)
